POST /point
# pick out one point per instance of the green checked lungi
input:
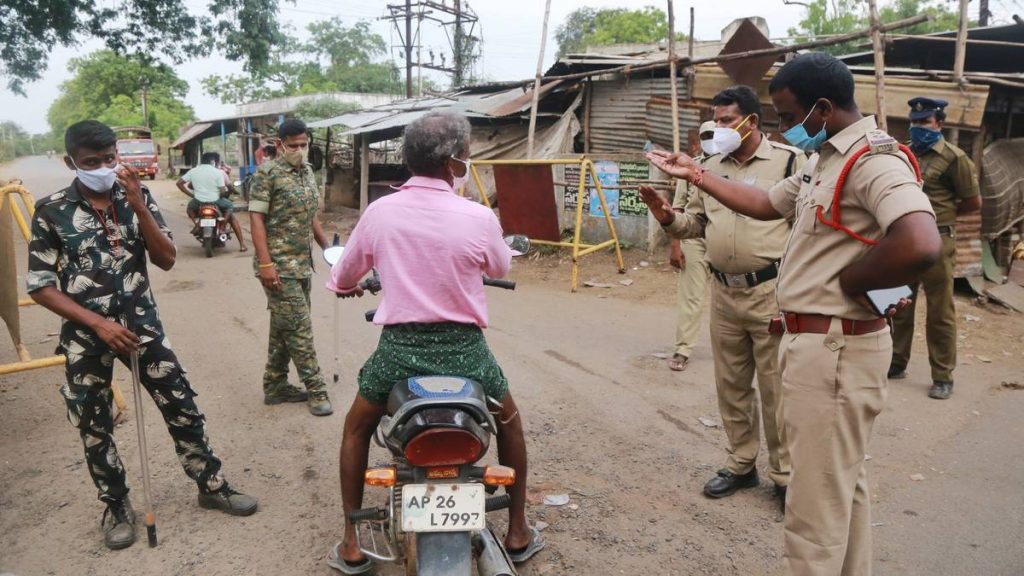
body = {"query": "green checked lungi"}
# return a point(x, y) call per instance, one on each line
point(442, 349)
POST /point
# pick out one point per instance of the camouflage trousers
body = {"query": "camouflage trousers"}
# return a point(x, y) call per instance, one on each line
point(88, 396)
point(291, 337)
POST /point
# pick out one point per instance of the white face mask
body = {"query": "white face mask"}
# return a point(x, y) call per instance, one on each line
point(726, 140)
point(100, 180)
point(459, 181)
point(709, 147)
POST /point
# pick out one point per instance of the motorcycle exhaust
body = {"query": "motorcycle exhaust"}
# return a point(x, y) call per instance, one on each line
point(493, 560)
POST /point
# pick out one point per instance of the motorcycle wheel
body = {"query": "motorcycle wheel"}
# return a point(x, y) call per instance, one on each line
point(208, 246)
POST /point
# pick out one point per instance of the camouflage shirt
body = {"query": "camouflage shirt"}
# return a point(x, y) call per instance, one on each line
point(96, 259)
point(288, 198)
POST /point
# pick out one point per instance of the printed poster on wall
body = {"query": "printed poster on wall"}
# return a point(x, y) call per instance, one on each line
point(628, 201)
point(608, 176)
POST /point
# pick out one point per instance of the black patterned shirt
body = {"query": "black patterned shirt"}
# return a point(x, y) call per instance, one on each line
point(98, 259)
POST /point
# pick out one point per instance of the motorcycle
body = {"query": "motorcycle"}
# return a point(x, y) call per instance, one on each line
point(436, 428)
point(213, 230)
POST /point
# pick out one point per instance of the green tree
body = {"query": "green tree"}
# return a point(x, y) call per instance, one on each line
point(108, 87)
point(323, 108)
point(244, 30)
point(337, 58)
point(589, 27)
point(824, 18)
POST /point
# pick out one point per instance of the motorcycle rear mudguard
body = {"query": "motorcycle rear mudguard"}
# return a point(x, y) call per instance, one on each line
point(444, 554)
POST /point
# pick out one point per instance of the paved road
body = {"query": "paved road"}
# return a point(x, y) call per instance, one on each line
point(607, 424)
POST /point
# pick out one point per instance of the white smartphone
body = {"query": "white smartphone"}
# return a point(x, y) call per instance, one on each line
point(885, 298)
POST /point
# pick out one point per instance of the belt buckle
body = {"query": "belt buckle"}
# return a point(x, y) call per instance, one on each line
point(735, 280)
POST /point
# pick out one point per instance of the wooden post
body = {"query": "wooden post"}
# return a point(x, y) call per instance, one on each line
point(674, 91)
point(876, 41)
point(536, 82)
point(958, 60)
point(364, 172)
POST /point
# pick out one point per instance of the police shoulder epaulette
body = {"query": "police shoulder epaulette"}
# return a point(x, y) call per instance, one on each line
point(882, 143)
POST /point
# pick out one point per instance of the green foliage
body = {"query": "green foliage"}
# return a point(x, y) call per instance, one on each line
point(108, 87)
point(824, 18)
point(589, 27)
point(337, 58)
point(245, 30)
point(323, 108)
point(15, 142)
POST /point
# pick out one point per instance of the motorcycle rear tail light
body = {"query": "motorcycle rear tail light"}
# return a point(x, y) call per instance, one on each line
point(208, 212)
point(381, 476)
point(443, 447)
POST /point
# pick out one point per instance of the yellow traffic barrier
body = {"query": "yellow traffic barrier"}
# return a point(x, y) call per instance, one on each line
point(579, 249)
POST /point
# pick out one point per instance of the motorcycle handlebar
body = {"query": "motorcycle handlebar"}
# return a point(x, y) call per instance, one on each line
point(506, 284)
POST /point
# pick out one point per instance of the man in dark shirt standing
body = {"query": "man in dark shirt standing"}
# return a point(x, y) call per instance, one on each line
point(87, 263)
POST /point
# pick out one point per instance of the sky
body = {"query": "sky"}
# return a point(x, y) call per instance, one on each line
point(511, 32)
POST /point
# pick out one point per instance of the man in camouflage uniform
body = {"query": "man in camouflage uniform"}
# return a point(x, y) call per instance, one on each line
point(87, 263)
point(951, 183)
point(283, 212)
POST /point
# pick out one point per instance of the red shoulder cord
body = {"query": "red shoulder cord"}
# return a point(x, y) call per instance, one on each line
point(834, 222)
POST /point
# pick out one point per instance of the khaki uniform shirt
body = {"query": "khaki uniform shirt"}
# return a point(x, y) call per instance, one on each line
point(949, 176)
point(880, 189)
point(288, 198)
point(737, 244)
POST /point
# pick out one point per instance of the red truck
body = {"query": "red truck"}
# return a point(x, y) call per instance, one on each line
point(136, 148)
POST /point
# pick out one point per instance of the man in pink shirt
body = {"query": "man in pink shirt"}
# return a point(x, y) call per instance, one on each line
point(430, 248)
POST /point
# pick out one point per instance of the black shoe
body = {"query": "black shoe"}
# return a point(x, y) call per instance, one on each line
point(897, 373)
point(228, 500)
point(727, 483)
point(941, 390)
point(119, 525)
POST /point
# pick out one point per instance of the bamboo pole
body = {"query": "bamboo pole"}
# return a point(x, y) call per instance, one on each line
point(674, 90)
point(876, 42)
point(630, 68)
point(958, 61)
point(536, 82)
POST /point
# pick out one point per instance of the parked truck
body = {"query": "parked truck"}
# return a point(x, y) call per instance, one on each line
point(136, 148)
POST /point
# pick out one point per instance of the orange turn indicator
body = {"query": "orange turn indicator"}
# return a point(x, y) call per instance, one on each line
point(499, 476)
point(385, 477)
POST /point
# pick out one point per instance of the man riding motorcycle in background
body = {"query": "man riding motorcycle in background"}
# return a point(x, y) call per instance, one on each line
point(204, 184)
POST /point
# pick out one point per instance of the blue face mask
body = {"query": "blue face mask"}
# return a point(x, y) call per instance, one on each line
point(922, 139)
point(798, 136)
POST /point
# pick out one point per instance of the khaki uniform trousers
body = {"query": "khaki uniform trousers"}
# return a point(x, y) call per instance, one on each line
point(742, 345)
point(940, 319)
point(691, 285)
point(834, 386)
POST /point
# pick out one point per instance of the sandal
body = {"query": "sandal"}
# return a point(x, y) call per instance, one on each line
point(523, 554)
point(334, 560)
point(678, 362)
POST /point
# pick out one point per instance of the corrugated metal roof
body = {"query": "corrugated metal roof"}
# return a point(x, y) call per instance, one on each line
point(191, 132)
point(350, 119)
point(618, 111)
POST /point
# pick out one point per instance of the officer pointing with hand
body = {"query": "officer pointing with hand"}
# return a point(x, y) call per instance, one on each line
point(860, 223)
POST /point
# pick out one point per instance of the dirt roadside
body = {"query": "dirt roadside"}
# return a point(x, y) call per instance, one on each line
point(607, 424)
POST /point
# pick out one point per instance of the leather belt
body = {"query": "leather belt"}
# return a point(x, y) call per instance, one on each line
point(748, 280)
point(946, 230)
point(820, 324)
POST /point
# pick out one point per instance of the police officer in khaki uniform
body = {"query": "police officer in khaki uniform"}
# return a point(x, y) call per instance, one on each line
point(688, 256)
point(877, 231)
point(743, 256)
point(951, 183)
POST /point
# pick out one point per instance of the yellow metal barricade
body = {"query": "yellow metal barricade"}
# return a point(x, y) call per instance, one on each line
point(579, 249)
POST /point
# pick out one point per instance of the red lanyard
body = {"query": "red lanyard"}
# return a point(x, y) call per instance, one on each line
point(113, 239)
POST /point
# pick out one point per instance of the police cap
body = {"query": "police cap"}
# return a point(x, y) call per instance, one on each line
point(921, 107)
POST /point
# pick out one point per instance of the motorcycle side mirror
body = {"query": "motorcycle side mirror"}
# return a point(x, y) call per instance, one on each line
point(237, 183)
point(333, 254)
point(518, 243)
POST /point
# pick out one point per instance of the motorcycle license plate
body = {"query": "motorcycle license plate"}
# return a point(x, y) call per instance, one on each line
point(443, 507)
point(208, 222)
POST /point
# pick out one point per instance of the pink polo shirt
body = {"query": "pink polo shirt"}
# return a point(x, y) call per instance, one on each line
point(430, 248)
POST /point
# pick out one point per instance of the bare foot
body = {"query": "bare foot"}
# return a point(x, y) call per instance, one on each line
point(243, 248)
